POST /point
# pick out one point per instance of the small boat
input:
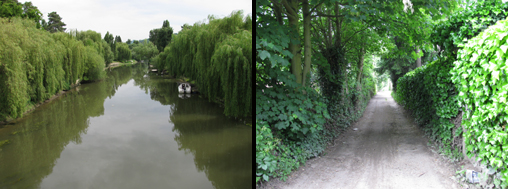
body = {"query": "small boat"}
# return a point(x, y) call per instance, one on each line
point(184, 88)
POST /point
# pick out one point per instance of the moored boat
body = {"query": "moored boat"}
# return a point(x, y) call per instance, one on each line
point(184, 88)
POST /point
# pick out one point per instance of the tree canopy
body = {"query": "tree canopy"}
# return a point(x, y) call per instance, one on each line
point(55, 23)
point(161, 37)
point(144, 51)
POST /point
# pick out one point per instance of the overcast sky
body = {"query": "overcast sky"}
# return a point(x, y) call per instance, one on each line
point(133, 19)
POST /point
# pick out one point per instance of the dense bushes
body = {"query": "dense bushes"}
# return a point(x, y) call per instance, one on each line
point(35, 64)
point(430, 94)
point(218, 55)
point(290, 125)
point(480, 74)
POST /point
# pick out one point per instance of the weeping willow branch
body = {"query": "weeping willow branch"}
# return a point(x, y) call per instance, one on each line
point(218, 55)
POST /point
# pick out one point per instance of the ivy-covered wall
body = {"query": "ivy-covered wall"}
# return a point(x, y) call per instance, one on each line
point(476, 84)
point(480, 74)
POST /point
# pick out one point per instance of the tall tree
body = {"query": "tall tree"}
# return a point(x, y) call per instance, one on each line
point(161, 37)
point(32, 12)
point(55, 23)
point(13, 8)
point(118, 39)
point(110, 40)
point(128, 41)
point(10, 8)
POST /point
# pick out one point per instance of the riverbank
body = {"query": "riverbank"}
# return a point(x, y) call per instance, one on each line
point(10, 120)
point(119, 64)
point(111, 66)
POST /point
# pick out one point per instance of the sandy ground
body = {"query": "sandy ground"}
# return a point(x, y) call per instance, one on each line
point(387, 150)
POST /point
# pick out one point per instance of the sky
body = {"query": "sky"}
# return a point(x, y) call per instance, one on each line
point(133, 19)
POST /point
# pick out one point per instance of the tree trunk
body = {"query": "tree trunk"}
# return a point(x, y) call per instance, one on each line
point(277, 10)
point(419, 60)
point(306, 39)
point(295, 49)
point(360, 70)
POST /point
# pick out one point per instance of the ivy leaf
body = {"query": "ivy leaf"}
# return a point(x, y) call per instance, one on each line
point(500, 36)
point(504, 47)
point(495, 75)
point(474, 57)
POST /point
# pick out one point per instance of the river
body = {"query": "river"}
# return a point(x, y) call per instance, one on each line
point(131, 130)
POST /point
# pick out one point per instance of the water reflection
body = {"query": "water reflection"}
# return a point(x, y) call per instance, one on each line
point(38, 139)
point(110, 134)
point(221, 148)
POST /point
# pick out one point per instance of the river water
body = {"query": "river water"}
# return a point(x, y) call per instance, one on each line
point(131, 130)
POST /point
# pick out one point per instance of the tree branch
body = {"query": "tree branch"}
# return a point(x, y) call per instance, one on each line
point(290, 11)
point(327, 15)
point(355, 34)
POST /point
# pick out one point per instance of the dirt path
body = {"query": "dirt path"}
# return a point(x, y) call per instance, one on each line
point(387, 151)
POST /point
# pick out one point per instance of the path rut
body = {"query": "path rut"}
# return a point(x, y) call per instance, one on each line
point(387, 150)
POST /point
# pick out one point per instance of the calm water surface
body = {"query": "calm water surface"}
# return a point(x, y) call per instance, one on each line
point(131, 130)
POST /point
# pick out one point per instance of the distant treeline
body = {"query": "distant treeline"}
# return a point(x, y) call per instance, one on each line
point(218, 55)
point(36, 64)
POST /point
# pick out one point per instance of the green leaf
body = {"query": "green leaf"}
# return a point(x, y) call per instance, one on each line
point(500, 36)
point(474, 57)
point(283, 117)
point(504, 47)
point(265, 177)
point(495, 75)
point(264, 54)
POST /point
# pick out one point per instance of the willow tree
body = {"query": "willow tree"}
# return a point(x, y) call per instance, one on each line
point(92, 38)
point(218, 56)
point(35, 64)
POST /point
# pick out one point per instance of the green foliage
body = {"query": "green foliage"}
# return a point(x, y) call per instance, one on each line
point(265, 144)
point(111, 41)
point(35, 64)
point(161, 37)
point(233, 58)
point(92, 38)
point(480, 74)
point(118, 39)
point(431, 96)
point(143, 51)
point(13, 8)
point(10, 9)
point(122, 51)
point(218, 55)
point(467, 23)
point(55, 23)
